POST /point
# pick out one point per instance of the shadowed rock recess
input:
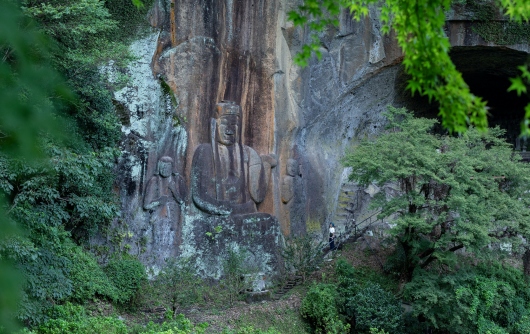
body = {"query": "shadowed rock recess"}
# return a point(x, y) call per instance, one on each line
point(227, 144)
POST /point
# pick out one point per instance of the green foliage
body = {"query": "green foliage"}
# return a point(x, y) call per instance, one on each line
point(466, 191)
point(177, 325)
point(29, 87)
point(128, 275)
point(55, 274)
point(320, 308)
point(70, 187)
point(361, 276)
point(251, 330)
point(419, 31)
point(364, 302)
point(523, 326)
point(302, 255)
point(376, 308)
point(70, 191)
point(519, 85)
point(277, 319)
point(377, 331)
point(69, 318)
point(180, 283)
point(47, 282)
point(73, 24)
point(489, 297)
point(130, 16)
point(88, 278)
point(29, 91)
point(84, 32)
point(235, 270)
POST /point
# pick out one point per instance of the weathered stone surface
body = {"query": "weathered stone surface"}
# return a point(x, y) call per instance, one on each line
point(207, 51)
point(228, 180)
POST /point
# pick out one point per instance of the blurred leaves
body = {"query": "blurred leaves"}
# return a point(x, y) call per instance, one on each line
point(419, 30)
point(29, 87)
point(57, 147)
point(29, 90)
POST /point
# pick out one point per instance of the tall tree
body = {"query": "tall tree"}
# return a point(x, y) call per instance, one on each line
point(451, 192)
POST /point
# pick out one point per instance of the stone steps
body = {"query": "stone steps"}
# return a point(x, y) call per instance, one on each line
point(291, 283)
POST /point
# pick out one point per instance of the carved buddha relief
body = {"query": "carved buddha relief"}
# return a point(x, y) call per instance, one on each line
point(228, 178)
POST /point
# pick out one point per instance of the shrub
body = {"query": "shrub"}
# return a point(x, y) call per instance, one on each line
point(69, 318)
point(364, 301)
point(128, 275)
point(180, 283)
point(347, 287)
point(319, 307)
point(364, 275)
point(177, 325)
point(251, 330)
point(472, 300)
point(523, 326)
point(377, 331)
point(234, 271)
point(376, 308)
point(302, 255)
point(88, 279)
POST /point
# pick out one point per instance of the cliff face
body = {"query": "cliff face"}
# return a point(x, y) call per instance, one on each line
point(201, 52)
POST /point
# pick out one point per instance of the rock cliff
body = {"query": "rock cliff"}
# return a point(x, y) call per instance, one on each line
point(201, 52)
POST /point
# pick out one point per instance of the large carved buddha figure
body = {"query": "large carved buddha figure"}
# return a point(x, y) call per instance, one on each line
point(228, 178)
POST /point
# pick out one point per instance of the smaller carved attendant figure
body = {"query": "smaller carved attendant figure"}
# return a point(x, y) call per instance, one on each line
point(288, 181)
point(163, 188)
point(331, 236)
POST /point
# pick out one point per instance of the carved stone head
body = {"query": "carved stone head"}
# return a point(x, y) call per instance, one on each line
point(165, 166)
point(228, 116)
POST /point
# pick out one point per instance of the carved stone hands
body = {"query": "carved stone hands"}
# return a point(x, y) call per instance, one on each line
point(269, 160)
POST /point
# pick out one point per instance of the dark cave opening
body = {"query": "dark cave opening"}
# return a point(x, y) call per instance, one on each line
point(487, 71)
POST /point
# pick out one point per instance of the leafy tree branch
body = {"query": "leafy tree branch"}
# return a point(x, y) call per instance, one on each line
point(418, 25)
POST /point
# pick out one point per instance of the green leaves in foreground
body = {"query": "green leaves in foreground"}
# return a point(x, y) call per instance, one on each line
point(418, 25)
point(28, 90)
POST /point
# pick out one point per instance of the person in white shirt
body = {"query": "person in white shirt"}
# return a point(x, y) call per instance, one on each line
point(331, 236)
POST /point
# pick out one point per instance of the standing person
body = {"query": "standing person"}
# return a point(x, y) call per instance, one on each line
point(331, 236)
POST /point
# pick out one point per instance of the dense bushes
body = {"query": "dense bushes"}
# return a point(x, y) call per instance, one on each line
point(71, 318)
point(374, 307)
point(472, 300)
point(351, 302)
point(173, 325)
point(128, 275)
point(70, 273)
point(88, 278)
point(484, 298)
point(320, 308)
